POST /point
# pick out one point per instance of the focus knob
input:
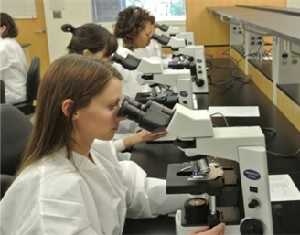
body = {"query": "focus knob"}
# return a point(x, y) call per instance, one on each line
point(253, 203)
point(251, 227)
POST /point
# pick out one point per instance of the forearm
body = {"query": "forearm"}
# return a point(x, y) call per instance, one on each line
point(131, 140)
point(162, 203)
point(125, 143)
point(142, 137)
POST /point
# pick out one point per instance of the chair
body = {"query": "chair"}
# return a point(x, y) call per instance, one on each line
point(33, 78)
point(5, 182)
point(15, 130)
point(2, 92)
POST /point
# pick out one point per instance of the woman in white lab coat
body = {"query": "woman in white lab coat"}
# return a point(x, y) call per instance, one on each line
point(13, 64)
point(70, 182)
point(94, 40)
point(135, 27)
point(97, 42)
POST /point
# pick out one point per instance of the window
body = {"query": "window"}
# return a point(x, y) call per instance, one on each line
point(107, 10)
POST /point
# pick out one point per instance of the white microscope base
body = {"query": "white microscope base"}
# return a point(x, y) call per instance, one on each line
point(180, 230)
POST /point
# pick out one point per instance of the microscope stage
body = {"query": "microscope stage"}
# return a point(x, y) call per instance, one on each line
point(226, 188)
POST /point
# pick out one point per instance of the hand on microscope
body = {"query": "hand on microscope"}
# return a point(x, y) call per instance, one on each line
point(143, 136)
point(217, 230)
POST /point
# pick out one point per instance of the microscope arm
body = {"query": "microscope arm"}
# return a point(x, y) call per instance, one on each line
point(144, 65)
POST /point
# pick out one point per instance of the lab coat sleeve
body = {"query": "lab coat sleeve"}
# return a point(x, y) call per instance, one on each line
point(147, 196)
point(4, 60)
point(132, 84)
point(119, 145)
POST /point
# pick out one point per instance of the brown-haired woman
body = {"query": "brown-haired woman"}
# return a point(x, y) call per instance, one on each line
point(13, 64)
point(95, 41)
point(136, 26)
point(91, 40)
point(70, 182)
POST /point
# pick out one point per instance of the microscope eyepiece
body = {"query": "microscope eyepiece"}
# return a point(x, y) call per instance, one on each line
point(130, 111)
point(162, 27)
point(130, 62)
point(162, 39)
point(151, 116)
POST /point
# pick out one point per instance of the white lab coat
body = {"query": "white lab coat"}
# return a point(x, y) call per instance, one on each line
point(152, 50)
point(13, 70)
point(131, 85)
point(131, 82)
point(61, 196)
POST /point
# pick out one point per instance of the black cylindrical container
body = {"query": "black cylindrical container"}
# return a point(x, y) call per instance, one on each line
point(196, 211)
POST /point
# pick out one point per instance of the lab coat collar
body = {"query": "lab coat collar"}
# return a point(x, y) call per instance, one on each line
point(82, 162)
point(79, 161)
point(8, 39)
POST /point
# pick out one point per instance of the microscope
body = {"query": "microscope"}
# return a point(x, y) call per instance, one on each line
point(238, 196)
point(153, 72)
point(196, 54)
point(172, 31)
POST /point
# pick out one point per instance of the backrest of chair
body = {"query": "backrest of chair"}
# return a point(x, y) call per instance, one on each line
point(33, 78)
point(15, 130)
point(5, 182)
point(2, 92)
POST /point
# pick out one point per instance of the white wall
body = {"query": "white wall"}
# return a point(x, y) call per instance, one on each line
point(293, 3)
point(75, 12)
